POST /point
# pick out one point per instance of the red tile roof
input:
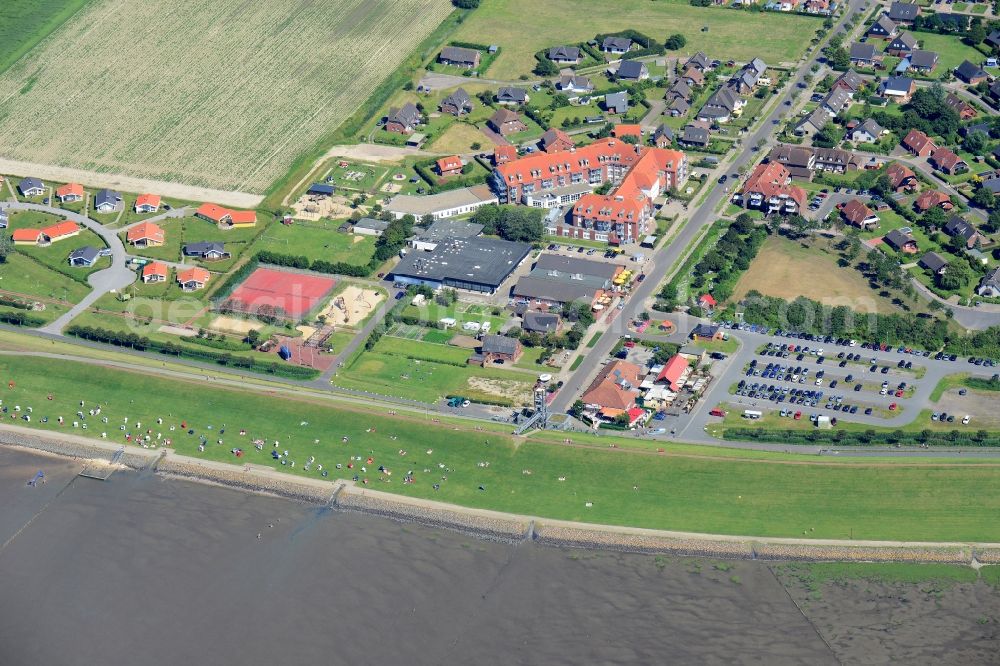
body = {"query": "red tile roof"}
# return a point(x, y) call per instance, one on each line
point(708, 300)
point(61, 229)
point(26, 235)
point(212, 211)
point(898, 173)
point(155, 268)
point(148, 200)
point(193, 274)
point(243, 216)
point(607, 391)
point(68, 189)
point(855, 212)
point(145, 231)
point(917, 141)
point(772, 179)
point(672, 372)
point(932, 198)
point(449, 163)
point(627, 130)
point(946, 159)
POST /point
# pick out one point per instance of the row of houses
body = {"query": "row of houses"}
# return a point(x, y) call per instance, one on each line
point(105, 200)
point(941, 158)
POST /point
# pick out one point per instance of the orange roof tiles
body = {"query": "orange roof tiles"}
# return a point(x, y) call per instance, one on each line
point(627, 130)
point(155, 268)
point(70, 189)
point(212, 211)
point(61, 229)
point(243, 216)
point(449, 163)
point(148, 200)
point(194, 274)
point(26, 235)
point(145, 231)
point(672, 372)
point(773, 179)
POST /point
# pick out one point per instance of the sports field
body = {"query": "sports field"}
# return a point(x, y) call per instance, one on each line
point(204, 92)
point(762, 495)
point(786, 269)
point(522, 27)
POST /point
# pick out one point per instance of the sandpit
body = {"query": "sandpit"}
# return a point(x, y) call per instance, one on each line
point(177, 330)
point(233, 325)
point(352, 305)
point(306, 331)
point(313, 208)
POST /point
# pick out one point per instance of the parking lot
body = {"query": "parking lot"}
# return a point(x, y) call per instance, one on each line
point(894, 383)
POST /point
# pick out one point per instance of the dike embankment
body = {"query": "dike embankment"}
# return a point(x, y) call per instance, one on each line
point(493, 525)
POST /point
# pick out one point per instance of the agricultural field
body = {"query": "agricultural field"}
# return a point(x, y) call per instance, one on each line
point(740, 35)
point(316, 240)
point(23, 23)
point(249, 99)
point(729, 492)
point(787, 270)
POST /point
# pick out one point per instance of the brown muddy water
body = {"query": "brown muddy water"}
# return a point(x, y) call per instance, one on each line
point(145, 570)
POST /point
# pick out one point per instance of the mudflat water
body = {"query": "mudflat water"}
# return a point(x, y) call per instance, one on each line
point(145, 570)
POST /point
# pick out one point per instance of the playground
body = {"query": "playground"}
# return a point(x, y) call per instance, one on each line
point(314, 208)
point(294, 294)
point(352, 305)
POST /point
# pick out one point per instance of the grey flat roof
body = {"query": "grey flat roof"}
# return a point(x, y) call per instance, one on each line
point(560, 290)
point(563, 264)
point(450, 228)
point(485, 261)
point(371, 223)
point(432, 203)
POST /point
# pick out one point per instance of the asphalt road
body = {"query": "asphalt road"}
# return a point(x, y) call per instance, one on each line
point(664, 262)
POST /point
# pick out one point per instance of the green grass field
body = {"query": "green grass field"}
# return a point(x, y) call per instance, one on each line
point(760, 495)
point(513, 25)
point(24, 275)
point(316, 240)
point(24, 23)
point(429, 372)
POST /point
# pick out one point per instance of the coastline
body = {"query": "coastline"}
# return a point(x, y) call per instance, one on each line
point(494, 525)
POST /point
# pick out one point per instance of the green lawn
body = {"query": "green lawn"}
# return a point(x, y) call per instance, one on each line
point(514, 25)
point(950, 49)
point(759, 496)
point(460, 312)
point(173, 238)
point(316, 240)
point(23, 275)
point(428, 372)
point(56, 255)
point(24, 23)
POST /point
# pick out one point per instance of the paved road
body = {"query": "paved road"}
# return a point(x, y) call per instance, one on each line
point(101, 282)
point(664, 262)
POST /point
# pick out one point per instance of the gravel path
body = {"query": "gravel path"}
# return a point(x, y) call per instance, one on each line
point(48, 172)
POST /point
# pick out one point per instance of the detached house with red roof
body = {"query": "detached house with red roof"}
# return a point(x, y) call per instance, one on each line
point(155, 271)
point(932, 198)
point(556, 141)
point(918, 143)
point(70, 192)
point(450, 166)
point(225, 217)
point(147, 203)
point(193, 279)
point(707, 301)
point(901, 177)
point(857, 214)
point(145, 234)
point(946, 160)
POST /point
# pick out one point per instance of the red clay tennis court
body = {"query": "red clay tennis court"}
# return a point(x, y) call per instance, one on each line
point(294, 293)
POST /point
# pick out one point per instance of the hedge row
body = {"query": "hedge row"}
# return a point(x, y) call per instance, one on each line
point(865, 437)
point(142, 343)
